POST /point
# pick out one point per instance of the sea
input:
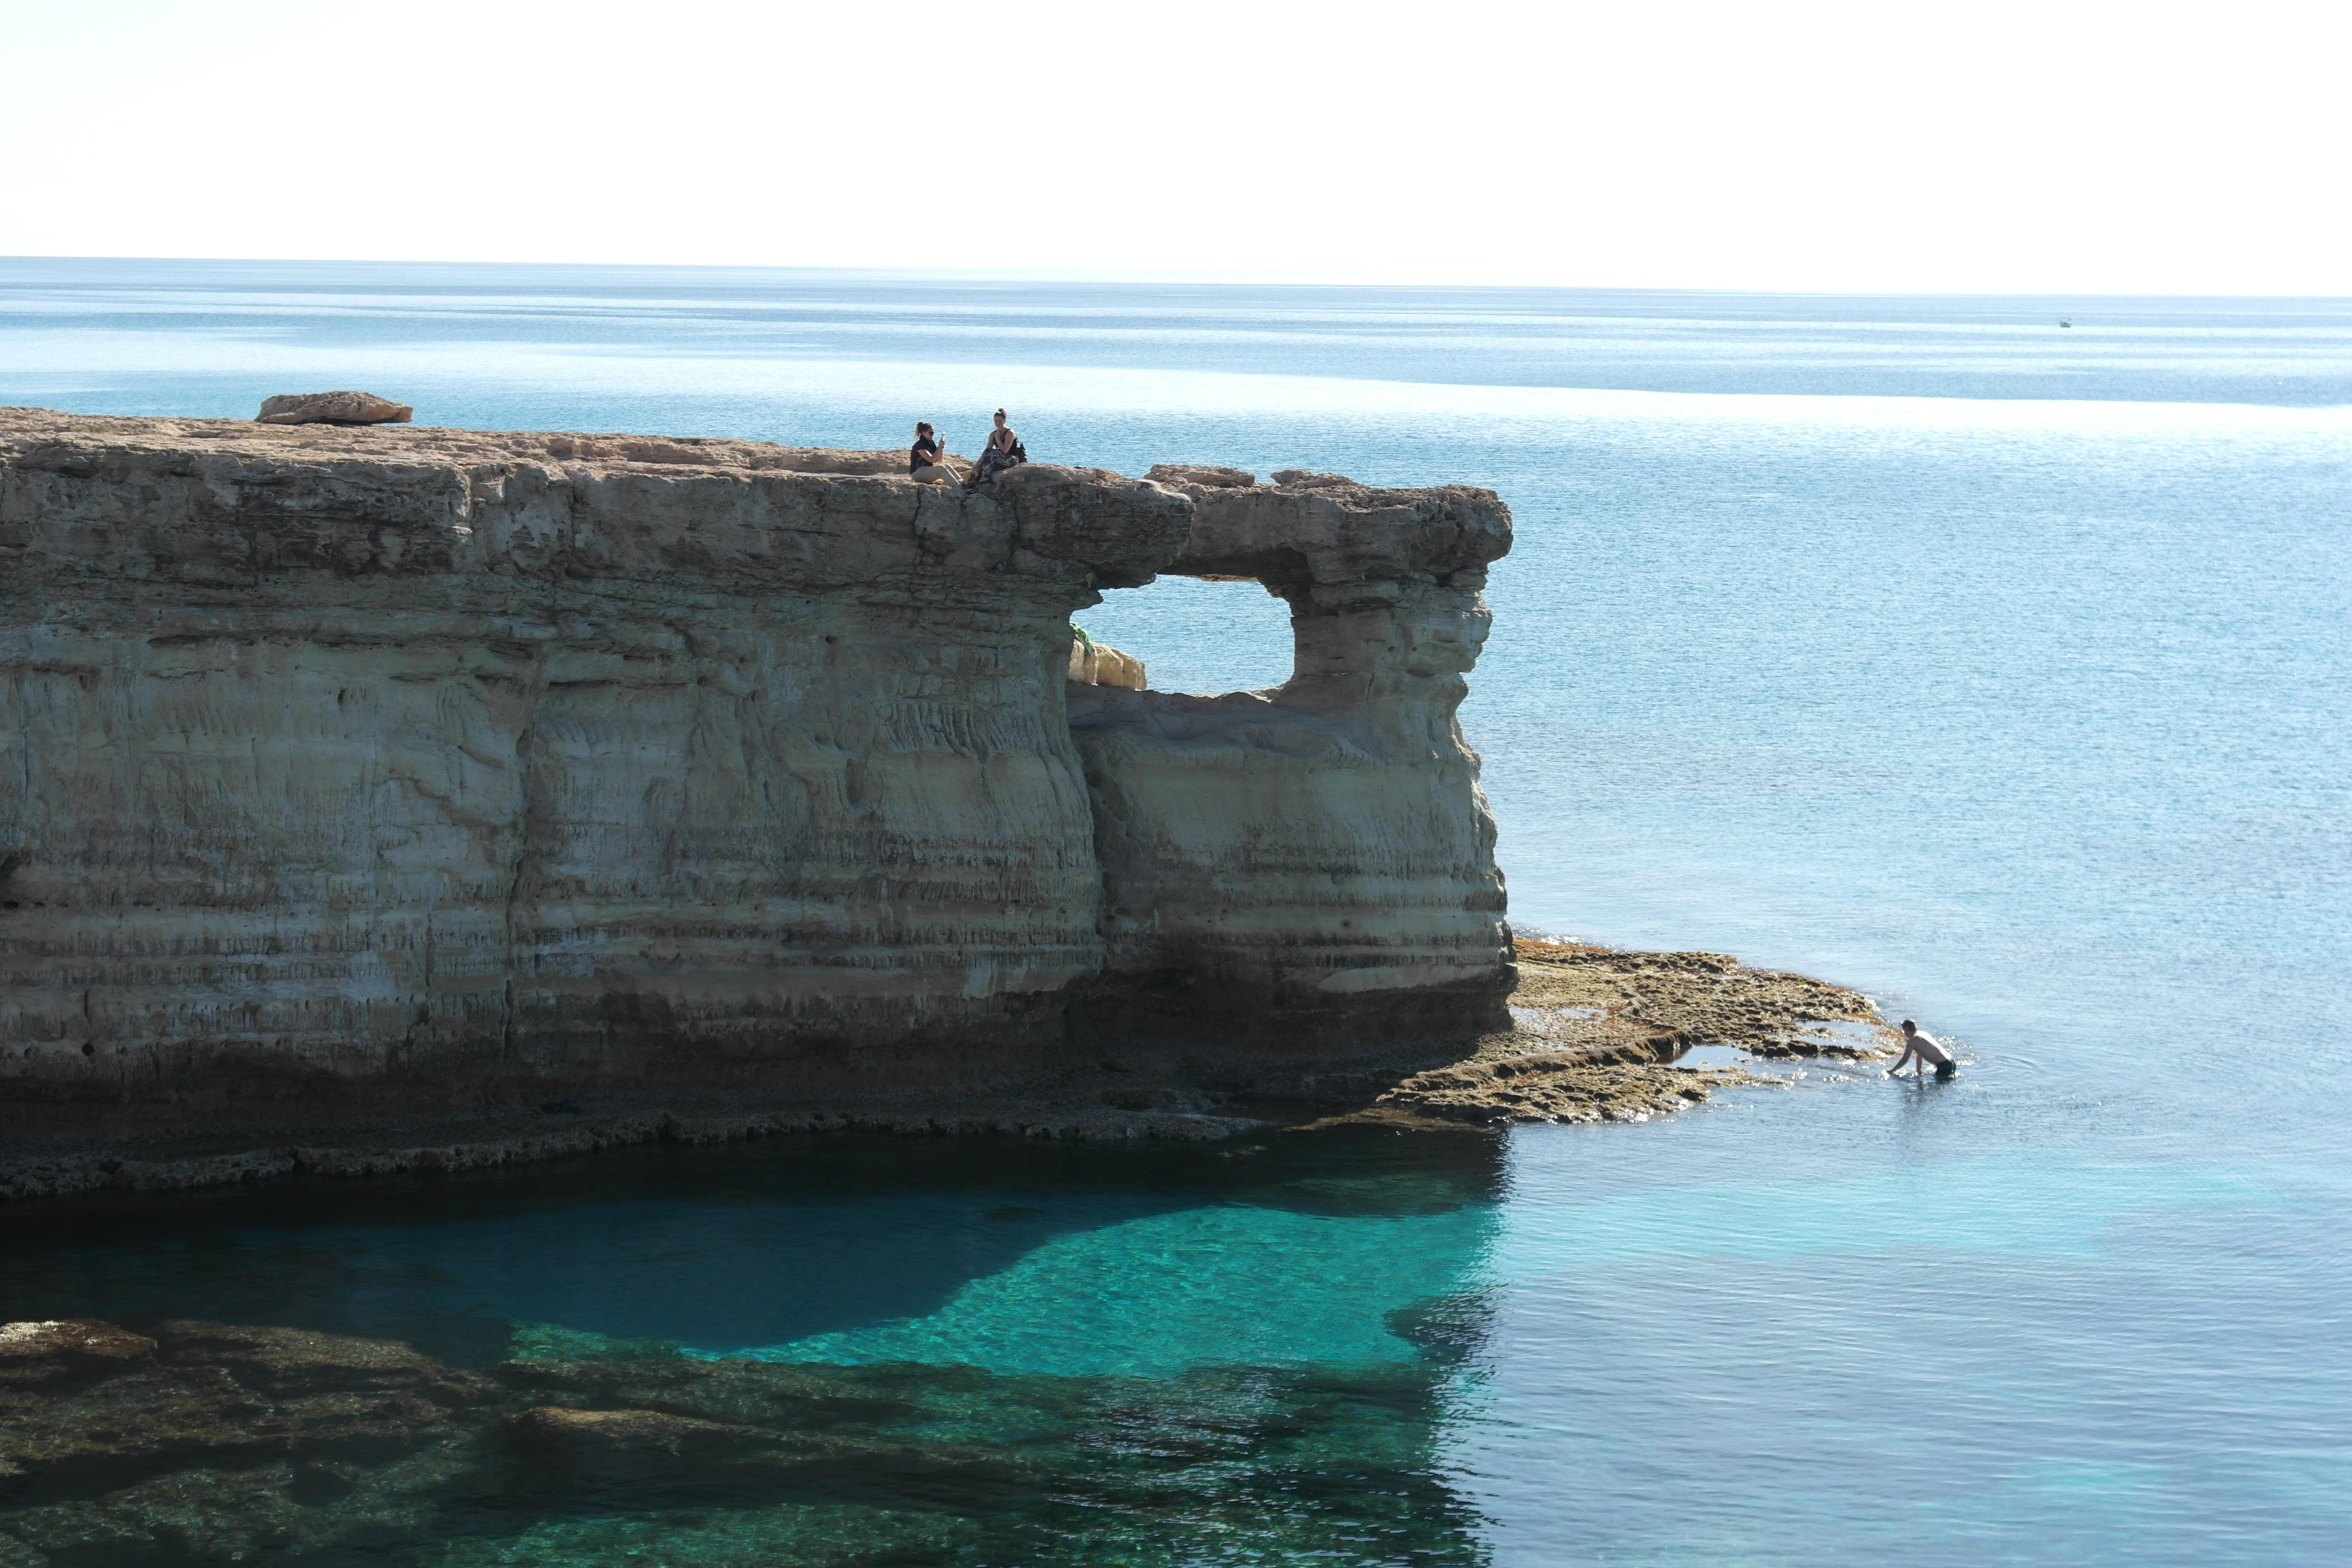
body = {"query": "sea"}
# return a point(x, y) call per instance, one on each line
point(1992, 656)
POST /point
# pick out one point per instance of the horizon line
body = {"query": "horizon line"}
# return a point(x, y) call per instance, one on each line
point(1227, 278)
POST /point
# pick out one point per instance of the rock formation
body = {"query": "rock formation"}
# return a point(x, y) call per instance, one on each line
point(1095, 663)
point(398, 765)
point(332, 408)
point(1324, 843)
point(187, 1442)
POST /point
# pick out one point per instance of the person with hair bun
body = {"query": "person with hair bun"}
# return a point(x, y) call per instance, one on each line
point(1003, 451)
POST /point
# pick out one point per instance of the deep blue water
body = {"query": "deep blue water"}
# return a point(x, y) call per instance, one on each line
point(2000, 669)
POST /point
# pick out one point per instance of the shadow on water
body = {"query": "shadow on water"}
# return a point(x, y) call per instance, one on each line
point(560, 1440)
point(740, 1245)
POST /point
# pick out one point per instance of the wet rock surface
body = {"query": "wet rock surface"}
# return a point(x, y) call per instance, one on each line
point(1597, 1032)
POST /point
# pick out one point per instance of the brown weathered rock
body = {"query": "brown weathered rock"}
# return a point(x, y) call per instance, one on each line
point(1207, 476)
point(1597, 1032)
point(332, 408)
point(1098, 664)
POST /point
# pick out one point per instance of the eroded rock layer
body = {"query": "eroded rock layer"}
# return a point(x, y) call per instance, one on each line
point(459, 762)
point(1321, 850)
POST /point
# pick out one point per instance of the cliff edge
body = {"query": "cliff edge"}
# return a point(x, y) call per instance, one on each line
point(396, 765)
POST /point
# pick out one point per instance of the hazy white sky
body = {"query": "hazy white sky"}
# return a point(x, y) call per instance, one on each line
point(1984, 146)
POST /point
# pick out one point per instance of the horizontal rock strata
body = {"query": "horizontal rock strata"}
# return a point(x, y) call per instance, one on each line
point(396, 764)
point(1321, 848)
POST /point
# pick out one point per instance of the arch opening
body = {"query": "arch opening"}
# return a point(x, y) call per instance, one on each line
point(1202, 636)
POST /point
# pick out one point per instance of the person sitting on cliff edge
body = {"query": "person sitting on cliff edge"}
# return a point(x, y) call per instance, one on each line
point(927, 461)
point(1920, 1046)
point(1003, 451)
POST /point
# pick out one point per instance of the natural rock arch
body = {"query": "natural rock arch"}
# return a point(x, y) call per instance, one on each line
point(447, 765)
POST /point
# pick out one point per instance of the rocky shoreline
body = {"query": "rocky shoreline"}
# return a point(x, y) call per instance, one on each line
point(1597, 1033)
point(1596, 1037)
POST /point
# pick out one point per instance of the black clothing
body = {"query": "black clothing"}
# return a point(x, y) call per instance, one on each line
point(995, 460)
point(924, 452)
point(1944, 1070)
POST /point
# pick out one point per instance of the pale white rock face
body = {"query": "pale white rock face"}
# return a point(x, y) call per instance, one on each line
point(444, 764)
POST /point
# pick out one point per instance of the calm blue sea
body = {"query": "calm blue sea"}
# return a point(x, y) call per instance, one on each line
point(2000, 667)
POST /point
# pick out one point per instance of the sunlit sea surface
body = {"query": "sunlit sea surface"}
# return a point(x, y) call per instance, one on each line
point(1998, 668)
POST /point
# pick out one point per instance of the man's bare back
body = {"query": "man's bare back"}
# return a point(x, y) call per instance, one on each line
point(1921, 1046)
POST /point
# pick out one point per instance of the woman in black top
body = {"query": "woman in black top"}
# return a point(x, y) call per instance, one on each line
point(925, 460)
point(1003, 451)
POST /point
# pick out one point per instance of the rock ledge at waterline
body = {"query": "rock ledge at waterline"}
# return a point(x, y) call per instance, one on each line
point(365, 768)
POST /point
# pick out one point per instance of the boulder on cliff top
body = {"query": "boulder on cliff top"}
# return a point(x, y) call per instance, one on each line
point(332, 408)
point(1208, 476)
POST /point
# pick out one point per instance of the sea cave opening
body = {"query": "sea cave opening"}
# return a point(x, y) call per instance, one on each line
point(1200, 635)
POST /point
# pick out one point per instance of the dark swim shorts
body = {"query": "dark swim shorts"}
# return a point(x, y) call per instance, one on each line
point(1944, 1070)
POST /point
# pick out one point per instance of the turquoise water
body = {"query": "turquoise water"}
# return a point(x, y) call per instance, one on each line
point(2001, 669)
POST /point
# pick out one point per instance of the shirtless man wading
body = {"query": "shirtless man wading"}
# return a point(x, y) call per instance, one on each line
point(1920, 1046)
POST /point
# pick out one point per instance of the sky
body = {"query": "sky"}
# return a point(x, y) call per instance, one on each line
point(2054, 146)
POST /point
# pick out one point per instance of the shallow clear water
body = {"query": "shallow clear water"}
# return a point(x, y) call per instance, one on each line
point(2000, 669)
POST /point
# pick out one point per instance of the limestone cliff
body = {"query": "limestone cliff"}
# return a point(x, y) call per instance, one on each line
point(1287, 852)
point(405, 763)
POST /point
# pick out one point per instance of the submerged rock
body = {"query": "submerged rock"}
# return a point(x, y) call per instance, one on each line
point(202, 1454)
point(35, 1352)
